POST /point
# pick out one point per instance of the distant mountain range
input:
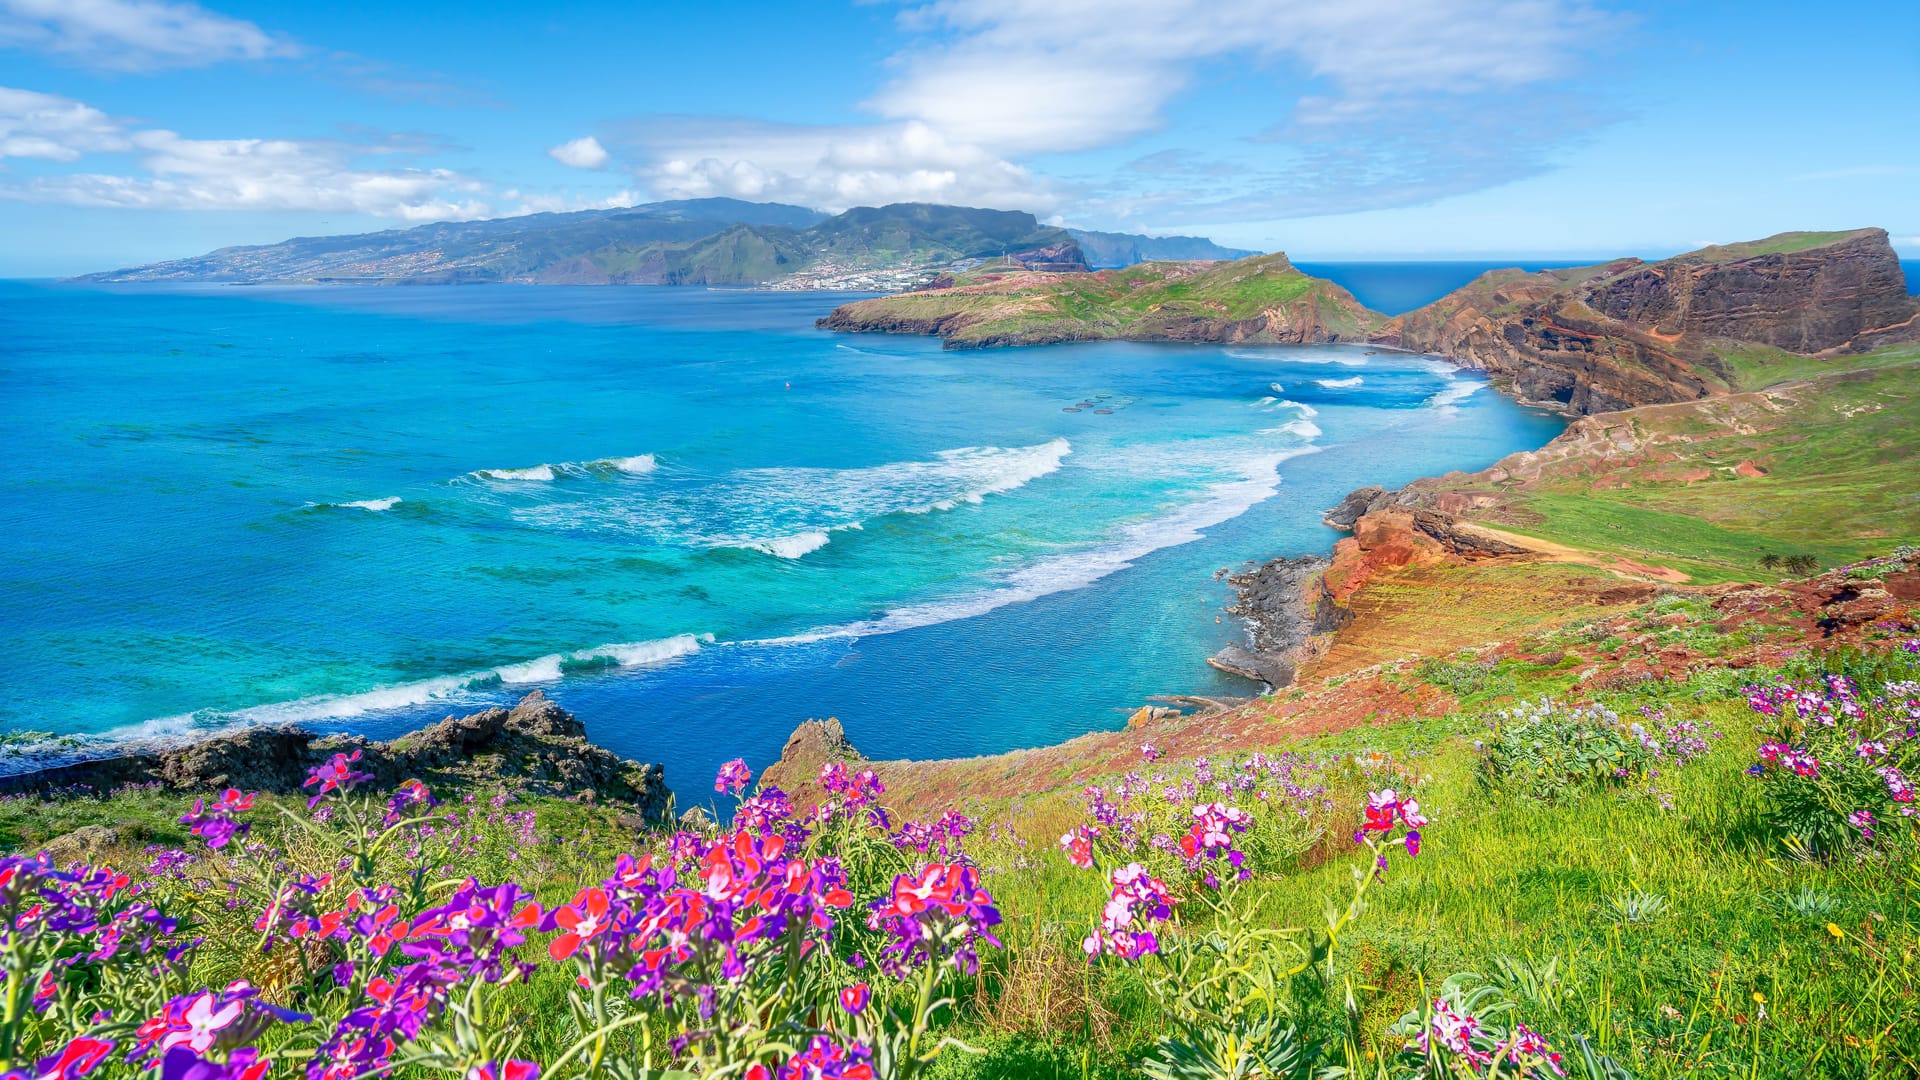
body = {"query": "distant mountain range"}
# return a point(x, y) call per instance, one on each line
point(685, 242)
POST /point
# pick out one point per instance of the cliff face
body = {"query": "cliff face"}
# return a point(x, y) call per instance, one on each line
point(1839, 296)
point(1627, 333)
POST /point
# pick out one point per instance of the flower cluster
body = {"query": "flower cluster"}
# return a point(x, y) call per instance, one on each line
point(1211, 837)
point(1461, 1036)
point(1386, 810)
point(1136, 899)
point(338, 775)
point(216, 824)
point(941, 837)
point(734, 777)
point(823, 1059)
point(1836, 761)
point(933, 917)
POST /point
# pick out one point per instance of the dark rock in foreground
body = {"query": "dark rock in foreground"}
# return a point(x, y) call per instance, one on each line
point(1285, 609)
point(536, 746)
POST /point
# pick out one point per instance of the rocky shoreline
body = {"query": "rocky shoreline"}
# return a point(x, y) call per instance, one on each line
point(536, 747)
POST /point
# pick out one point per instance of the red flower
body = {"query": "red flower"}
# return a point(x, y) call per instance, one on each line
point(505, 1070)
point(583, 920)
point(77, 1059)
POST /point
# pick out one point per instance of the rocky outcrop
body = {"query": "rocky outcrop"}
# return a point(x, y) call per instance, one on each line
point(536, 746)
point(1626, 333)
point(1285, 609)
point(814, 744)
point(1064, 257)
point(1837, 296)
point(1392, 534)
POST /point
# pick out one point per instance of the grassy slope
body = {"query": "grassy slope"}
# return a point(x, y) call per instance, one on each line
point(1669, 996)
point(1837, 449)
point(992, 305)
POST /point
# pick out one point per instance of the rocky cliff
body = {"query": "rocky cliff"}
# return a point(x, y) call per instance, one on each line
point(1625, 333)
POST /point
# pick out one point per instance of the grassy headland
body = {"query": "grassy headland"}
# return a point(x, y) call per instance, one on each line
point(1262, 298)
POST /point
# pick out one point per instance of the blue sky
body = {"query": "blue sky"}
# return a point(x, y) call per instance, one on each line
point(133, 130)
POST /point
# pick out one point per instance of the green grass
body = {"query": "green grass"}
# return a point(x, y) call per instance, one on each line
point(1779, 244)
point(1756, 367)
point(1670, 995)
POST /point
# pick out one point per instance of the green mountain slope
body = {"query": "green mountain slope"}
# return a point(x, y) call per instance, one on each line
point(685, 242)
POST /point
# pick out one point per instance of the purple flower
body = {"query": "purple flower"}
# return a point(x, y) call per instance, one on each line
point(337, 774)
point(734, 777)
point(215, 824)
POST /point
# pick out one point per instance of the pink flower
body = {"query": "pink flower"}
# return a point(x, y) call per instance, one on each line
point(1078, 845)
point(734, 777)
point(76, 1059)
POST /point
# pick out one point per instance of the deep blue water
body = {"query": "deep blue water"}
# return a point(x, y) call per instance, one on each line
point(688, 515)
point(1398, 287)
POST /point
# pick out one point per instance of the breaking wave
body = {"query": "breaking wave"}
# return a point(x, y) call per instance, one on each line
point(1223, 501)
point(788, 512)
point(637, 465)
point(1335, 384)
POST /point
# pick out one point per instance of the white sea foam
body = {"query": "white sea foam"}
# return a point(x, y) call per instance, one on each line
point(453, 690)
point(637, 465)
point(792, 547)
point(790, 511)
point(625, 654)
point(1454, 393)
point(1304, 409)
point(1258, 480)
point(376, 505)
point(1300, 429)
point(535, 473)
point(1276, 388)
point(1335, 384)
point(1298, 356)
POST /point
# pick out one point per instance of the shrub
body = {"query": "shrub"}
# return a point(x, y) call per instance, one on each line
point(1837, 762)
point(1465, 676)
point(1473, 1028)
point(1553, 752)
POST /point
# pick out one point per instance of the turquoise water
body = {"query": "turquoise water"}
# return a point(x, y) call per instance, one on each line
point(688, 515)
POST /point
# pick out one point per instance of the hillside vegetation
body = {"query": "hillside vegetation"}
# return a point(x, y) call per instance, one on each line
point(1263, 298)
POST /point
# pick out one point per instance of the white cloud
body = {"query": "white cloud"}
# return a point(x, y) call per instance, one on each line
point(527, 202)
point(1023, 76)
point(829, 168)
point(990, 83)
point(135, 35)
point(179, 173)
point(584, 152)
point(35, 125)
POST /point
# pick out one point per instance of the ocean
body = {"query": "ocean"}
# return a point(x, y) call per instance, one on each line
point(687, 515)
